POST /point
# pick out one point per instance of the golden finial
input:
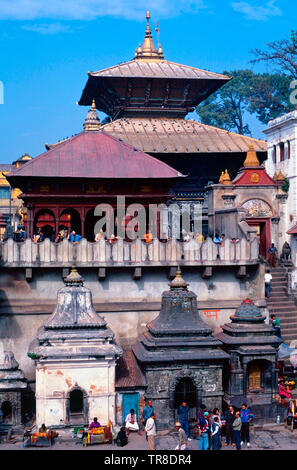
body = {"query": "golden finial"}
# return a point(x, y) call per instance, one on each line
point(226, 178)
point(178, 281)
point(221, 178)
point(92, 121)
point(148, 51)
point(275, 176)
point(251, 158)
point(280, 176)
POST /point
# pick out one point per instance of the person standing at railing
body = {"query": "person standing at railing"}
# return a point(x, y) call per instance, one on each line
point(74, 237)
point(38, 237)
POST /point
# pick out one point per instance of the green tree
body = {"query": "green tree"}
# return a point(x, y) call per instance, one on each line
point(270, 96)
point(226, 107)
point(265, 95)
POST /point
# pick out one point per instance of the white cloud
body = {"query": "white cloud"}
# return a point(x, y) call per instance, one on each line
point(91, 9)
point(257, 12)
point(47, 28)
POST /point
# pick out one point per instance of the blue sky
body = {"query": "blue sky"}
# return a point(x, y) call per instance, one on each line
point(47, 48)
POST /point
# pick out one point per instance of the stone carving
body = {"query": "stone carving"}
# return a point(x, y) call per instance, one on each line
point(257, 208)
point(286, 252)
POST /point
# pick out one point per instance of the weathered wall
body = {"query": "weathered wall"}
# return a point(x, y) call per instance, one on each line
point(126, 304)
point(55, 381)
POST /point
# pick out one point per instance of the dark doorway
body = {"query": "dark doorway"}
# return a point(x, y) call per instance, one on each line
point(263, 232)
point(7, 411)
point(185, 391)
point(90, 222)
point(70, 219)
point(76, 407)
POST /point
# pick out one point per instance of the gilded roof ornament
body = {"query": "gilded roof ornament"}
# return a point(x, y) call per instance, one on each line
point(148, 52)
point(251, 158)
point(178, 281)
point(226, 178)
point(92, 121)
point(221, 178)
point(280, 176)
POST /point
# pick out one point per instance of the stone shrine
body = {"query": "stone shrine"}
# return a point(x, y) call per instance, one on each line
point(251, 375)
point(75, 358)
point(181, 358)
point(12, 383)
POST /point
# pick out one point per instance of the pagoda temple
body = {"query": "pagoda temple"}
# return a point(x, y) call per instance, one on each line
point(148, 99)
point(61, 187)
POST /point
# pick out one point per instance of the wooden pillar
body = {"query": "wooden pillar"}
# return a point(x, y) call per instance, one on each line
point(82, 212)
point(57, 220)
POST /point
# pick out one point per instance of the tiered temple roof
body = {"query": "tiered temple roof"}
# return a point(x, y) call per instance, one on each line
point(149, 84)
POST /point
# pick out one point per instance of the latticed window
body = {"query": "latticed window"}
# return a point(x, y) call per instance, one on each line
point(254, 376)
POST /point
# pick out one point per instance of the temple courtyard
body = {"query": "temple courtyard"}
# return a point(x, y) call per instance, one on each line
point(270, 437)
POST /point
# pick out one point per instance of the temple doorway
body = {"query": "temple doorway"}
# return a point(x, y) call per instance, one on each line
point(76, 407)
point(45, 220)
point(185, 391)
point(7, 412)
point(263, 232)
point(70, 220)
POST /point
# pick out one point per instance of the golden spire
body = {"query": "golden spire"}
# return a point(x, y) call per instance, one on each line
point(221, 178)
point(178, 281)
point(148, 51)
point(92, 121)
point(251, 158)
point(275, 176)
point(226, 178)
point(280, 176)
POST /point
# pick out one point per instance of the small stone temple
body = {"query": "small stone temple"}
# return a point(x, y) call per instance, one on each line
point(75, 358)
point(181, 359)
point(12, 384)
point(251, 374)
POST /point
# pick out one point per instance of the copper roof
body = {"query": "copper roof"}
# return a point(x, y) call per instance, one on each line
point(128, 372)
point(95, 155)
point(165, 135)
point(161, 69)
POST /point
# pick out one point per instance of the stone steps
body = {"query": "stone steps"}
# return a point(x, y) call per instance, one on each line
point(282, 304)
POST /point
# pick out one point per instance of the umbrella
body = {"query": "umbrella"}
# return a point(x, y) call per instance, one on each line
point(284, 352)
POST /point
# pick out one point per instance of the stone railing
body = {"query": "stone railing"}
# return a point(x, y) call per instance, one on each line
point(122, 253)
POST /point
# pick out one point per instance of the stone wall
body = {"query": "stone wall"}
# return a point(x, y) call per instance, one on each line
point(127, 304)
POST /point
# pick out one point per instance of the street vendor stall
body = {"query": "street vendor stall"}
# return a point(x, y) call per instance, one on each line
point(100, 435)
point(39, 439)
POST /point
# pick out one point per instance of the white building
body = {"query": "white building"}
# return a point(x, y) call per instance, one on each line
point(282, 161)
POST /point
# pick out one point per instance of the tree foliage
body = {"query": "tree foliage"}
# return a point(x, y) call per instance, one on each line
point(281, 53)
point(265, 95)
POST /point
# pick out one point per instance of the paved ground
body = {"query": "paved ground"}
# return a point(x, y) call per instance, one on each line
point(274, 438)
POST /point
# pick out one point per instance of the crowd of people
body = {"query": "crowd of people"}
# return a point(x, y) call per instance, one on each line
point(210, 424)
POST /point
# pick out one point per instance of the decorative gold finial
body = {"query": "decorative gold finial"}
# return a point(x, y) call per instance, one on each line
point(148, 51)
point(280, 176)
point(92, 121)
point(251, 158)
point(74, 278)
point(226, 178)
point(221, 178)
point(178, 281)
point(275, 176)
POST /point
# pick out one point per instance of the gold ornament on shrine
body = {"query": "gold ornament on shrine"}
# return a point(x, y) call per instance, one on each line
point(255, 178)
point(226, 178)
point(221, 179)
point(251, 158)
